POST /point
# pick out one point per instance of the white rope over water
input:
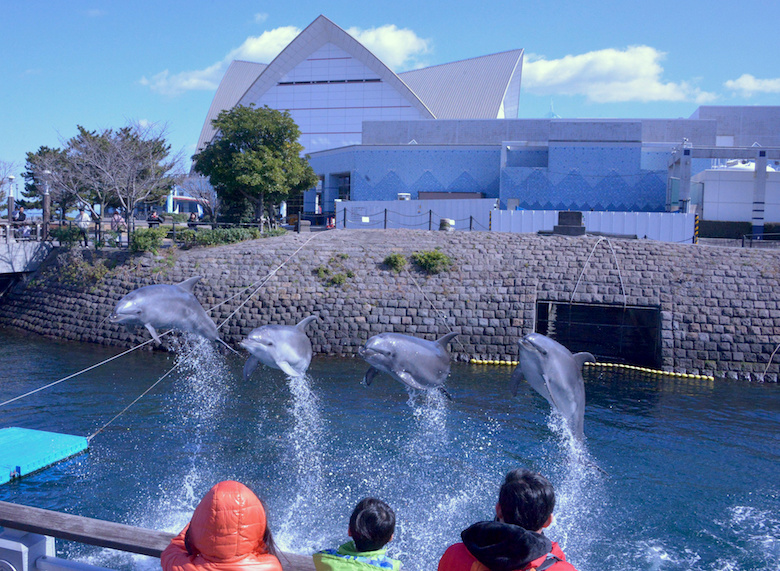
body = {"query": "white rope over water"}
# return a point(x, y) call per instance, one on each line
point(143, 394)
point(81, 372)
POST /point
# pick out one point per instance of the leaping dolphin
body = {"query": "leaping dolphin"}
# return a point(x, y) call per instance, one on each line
point(556, 374)
point(164, 306)
point(282, 347)
point(417, 363)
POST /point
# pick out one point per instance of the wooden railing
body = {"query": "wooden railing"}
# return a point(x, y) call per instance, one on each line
point(107, 534)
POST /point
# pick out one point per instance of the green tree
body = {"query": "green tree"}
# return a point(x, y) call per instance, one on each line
point(254, 158)
point(39, 177)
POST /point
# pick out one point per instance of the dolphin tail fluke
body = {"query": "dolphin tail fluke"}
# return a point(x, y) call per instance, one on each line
point(369, 376)
point(445, 392)
point(189, 285)
point(153, 332)
point(517, 377)
point(582, 358)
point(305, 321)
point(250, 366)
point(444, 341)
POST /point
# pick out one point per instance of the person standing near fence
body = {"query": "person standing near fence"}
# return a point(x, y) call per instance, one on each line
point(118, 225)
point(83, 221)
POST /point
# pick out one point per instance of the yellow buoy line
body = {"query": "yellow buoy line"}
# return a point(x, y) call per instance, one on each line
point(608, 366)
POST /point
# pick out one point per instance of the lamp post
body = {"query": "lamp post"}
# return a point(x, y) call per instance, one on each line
point(46, 204)
point(10, 197)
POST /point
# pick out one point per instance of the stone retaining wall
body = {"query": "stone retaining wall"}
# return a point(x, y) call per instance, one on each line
point(719, 308)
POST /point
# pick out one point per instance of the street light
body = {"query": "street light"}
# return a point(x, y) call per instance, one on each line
point(46, 203)
point(10, 196)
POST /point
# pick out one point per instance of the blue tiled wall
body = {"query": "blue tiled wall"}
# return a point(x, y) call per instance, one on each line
point(582, 177)
point(588, 177)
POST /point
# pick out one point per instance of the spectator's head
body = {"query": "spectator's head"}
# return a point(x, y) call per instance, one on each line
point(229, 524)
point(526, 499)
point(371, 524)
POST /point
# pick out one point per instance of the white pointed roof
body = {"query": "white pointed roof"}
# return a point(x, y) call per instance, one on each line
point(486, 87)
point(320, 32)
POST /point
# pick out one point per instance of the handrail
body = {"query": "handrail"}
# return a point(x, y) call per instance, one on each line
point(107, 534)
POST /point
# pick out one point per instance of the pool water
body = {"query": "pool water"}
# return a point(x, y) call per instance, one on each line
point(674, 473)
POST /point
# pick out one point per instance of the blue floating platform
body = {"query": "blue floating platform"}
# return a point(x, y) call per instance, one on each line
point(24, 451)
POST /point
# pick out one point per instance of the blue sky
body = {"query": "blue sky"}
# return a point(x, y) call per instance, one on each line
point(105, 63)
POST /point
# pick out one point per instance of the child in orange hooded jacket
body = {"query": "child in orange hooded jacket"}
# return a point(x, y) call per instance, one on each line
point(227, 532)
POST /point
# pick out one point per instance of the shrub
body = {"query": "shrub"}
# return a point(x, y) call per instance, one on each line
point(395, 262)
point(338, 279)
point(67, 236)
point(147, 239)
point(190, 238)
point(432, 261)
point(80, 273)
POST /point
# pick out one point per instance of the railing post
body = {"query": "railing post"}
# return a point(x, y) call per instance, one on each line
point(345, 218)
point(430, 220)
point(385, 218)
point(471, 223)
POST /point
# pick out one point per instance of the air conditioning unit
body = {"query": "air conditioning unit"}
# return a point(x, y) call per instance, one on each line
point(404, 196)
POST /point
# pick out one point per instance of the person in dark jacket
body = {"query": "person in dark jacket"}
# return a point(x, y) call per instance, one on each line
point(515, 540)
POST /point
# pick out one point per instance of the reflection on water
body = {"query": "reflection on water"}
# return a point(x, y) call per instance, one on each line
point(673, 474)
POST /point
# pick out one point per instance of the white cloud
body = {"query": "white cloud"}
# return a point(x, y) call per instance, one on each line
point(265, 47)
point(748, 85)
point(260, 17)
point(176, 84)
point(261, 49)
point(397, 48)
point(609, 76)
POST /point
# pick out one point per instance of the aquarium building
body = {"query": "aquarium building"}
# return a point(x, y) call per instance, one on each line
point(452, 131)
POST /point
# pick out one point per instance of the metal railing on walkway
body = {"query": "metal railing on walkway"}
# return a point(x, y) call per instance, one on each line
point(47, 524)
point(771, 240)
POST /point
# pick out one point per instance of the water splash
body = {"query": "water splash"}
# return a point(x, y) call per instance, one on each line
point(579, 492)
point(305, 462)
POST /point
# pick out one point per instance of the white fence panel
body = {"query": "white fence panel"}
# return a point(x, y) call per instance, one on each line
point(468, 214)
point(481, 215)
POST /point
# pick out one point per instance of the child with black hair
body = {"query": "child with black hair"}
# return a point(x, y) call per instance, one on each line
point(371, 526)
point(514, 541)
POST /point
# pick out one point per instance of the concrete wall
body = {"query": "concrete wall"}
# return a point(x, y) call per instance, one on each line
point(744, 125)
point(719, 308)
point(23, 256)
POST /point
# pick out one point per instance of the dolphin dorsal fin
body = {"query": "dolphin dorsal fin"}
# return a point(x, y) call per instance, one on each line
point(305, 321)
point(582, 358)
point(189, 285)
point(444, 341)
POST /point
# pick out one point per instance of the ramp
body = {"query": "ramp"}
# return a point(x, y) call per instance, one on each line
point(24, 451)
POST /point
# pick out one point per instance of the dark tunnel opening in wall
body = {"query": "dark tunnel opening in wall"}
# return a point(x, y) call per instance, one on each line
point(613, 333)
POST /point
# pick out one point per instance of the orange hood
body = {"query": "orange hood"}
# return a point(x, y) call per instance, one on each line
point(228, 524)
